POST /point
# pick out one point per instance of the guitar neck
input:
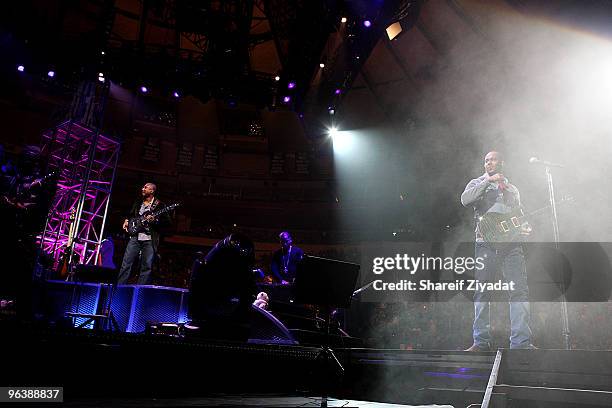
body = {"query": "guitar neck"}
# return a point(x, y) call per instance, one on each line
point(542, 209)
point(163, 210)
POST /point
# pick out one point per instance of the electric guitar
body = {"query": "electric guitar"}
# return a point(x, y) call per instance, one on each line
point(508, 227)
point(140, 224)
point(18, 200)
point(68, 256)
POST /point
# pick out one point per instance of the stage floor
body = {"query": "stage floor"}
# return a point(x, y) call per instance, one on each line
point(248, 400)
point(99, 369)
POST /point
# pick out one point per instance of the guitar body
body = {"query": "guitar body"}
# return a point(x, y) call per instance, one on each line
point(501, 227)
point(137, 225)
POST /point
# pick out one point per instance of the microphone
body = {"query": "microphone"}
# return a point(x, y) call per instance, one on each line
point(535, 160)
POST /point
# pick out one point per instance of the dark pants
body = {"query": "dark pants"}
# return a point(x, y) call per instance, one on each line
point(511, 261)
point(147, 254)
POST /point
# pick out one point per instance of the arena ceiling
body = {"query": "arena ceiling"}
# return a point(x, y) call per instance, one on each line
point(236, 48)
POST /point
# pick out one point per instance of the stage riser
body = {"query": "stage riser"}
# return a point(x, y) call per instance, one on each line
point(132, 305)
point(135, 306)
point(416, 377)
point(553, 378)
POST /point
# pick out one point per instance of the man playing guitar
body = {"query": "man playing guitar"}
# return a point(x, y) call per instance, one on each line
point(493, 193)
point(146, 242)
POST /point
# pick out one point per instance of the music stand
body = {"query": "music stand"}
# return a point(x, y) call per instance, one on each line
point(327, 283)
point(106, 277)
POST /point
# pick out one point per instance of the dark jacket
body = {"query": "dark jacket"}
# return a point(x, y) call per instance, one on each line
point(163, 221)
point(277, 266)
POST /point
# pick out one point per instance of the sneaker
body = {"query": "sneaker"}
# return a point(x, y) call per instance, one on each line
point(476, 347)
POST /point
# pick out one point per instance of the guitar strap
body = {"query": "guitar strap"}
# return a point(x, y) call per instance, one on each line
point(154, 204)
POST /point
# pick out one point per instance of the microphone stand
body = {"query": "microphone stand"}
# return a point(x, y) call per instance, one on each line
point(555, 222)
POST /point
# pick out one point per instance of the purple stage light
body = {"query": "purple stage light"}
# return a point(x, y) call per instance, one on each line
point(51, 74)
point(20, 68)
point(291, 85)
point(338, 91)
point(287, 99)
point(144, 89)
point(176, 94)
point(367, 23)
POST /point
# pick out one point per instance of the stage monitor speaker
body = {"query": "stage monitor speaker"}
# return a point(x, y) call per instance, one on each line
point(267, 329)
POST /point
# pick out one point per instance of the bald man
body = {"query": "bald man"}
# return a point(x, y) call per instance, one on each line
point(492, 192)
point(145, 243)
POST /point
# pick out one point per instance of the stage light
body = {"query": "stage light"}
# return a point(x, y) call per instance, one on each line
point(322, 65)
point(331, 110)
point(367, 23)
point(333, 132)
point(176, 94)
point(291, 85)
point(394, 30)
point(101, 79)
point(144, 89)
point(338, 91)
point(100, 74)
point(277, 78)
point(342, 141)
point(286, 99)
point(343, 20)
point(51, 74)
point(20, 68)
point(103, 53)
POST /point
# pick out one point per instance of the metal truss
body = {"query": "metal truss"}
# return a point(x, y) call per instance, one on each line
point(86, 162)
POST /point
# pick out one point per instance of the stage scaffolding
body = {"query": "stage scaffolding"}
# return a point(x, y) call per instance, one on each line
point(86, 162)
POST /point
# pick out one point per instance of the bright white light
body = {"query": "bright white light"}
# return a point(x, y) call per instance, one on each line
point(51, 74)
point(322, 65)
point(102, 53)
point(277, 78)
point(100, 74)
point(343, 20)
point(20, 68)
point(342, 140)
point(101, 79)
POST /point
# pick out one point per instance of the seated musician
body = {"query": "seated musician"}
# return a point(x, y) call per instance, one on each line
point(285, 260)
